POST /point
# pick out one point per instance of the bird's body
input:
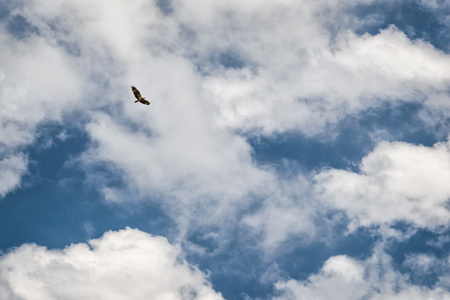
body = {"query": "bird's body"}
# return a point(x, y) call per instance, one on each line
point(138, 96)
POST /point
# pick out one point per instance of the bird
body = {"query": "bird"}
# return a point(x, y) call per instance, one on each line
point(139, 97)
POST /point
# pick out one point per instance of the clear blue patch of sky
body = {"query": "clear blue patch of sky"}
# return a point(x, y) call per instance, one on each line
point(16, 25)
point(165, 6)
point(220, 59)
point(230, 59)
point(413, 18)
point(4, 10)
point(354, 139)
point(19, 26)
point(56, 208)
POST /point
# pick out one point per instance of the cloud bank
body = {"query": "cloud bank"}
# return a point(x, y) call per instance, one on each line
point(125, 264)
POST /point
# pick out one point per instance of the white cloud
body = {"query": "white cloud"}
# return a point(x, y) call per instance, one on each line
point(191, 169)
point(39, 82)
point(285, 212)
point(306, 79)
point(127, 264)
point(343, 277)
point(113, 32)
point(396, 182)
point(11, 169)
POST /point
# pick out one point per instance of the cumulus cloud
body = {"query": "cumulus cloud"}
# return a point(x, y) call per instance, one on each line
point(315, 79)
point(127, 264)
point(343, 277)
point(396, 182)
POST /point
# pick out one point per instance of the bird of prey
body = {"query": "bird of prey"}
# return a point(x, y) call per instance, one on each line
point(139, 97)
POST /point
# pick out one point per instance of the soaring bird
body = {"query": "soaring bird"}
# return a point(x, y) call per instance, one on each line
point(139, 97)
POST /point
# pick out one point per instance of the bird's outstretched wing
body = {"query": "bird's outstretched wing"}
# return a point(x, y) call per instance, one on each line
point(136, 93)
point(143, 101)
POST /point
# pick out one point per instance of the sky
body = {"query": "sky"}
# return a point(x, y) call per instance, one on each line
point(291, 150)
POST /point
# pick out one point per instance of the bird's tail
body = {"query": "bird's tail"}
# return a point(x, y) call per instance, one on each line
point(135, 101)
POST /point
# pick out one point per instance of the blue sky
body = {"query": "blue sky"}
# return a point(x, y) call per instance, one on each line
point(292, 149)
